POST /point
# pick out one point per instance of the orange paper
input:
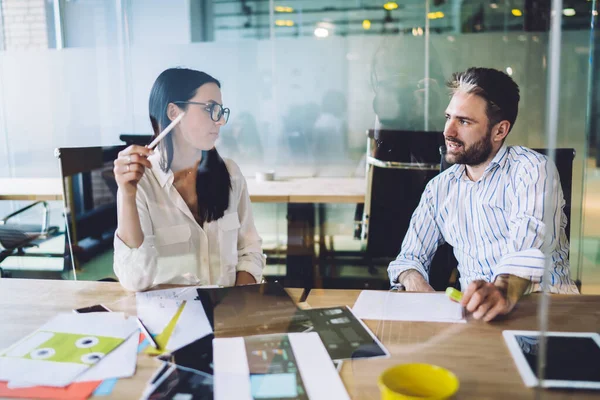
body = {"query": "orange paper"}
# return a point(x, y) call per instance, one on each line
point(74, 391)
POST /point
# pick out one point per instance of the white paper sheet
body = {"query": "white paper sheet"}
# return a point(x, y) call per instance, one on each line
point(157, 308)
point(407, 306)
point(155, 297)
point(231, 372)
point(319, 376)
point(32, 362)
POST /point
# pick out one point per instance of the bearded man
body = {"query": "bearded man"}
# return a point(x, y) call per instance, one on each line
point(500, 207)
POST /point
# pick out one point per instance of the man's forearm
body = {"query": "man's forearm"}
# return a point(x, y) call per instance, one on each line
point(512, 286)
point(408, 276)
point(412, 280)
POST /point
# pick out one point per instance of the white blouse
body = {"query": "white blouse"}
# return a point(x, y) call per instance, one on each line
point(176, 249)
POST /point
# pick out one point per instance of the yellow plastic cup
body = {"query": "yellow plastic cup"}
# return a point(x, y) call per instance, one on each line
point(417, 382)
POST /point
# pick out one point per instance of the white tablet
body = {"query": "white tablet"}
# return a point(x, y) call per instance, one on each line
point(572, 359)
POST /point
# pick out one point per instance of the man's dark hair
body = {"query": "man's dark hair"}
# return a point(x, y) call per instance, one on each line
point(499, 90)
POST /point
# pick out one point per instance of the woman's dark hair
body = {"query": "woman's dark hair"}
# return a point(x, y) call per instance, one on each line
point(213, 181)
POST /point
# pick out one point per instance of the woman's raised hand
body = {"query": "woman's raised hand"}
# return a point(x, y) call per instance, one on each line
point(130, 166)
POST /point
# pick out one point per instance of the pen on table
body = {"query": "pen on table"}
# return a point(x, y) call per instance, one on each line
point(454, 294)
point(147, 334)
point(165, 131)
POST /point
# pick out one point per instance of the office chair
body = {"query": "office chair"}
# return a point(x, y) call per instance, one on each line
point(16, 236)
point(130, 138)
point(399, 166)
point(443, 271)
point(89, 199)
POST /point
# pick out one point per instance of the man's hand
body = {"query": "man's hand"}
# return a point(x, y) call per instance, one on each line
point(488, 300)
point(413, 281)
point(244, 278)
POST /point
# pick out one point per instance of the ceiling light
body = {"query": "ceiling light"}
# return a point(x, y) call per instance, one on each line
point(284, 22)
point(321, 32)
point(390, 5)
point(568, 12)
point(509, 71)
point(284, 9)
point(516, 12)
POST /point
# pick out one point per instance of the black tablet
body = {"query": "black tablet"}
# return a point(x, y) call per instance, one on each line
point(572, 359)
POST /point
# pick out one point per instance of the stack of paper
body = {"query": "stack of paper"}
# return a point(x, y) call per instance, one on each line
point(406, 306)
point(174, 315)
point(70, 348)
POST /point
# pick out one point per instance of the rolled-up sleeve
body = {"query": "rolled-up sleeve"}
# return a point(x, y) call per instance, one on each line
point(250, 256)
point(136, 267)
point(421, 241)
point(535, 219)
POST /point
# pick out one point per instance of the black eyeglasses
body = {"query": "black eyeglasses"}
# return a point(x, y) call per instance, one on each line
point(215, 110)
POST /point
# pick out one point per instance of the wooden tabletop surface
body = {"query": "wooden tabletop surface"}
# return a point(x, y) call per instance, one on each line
point(474, 351)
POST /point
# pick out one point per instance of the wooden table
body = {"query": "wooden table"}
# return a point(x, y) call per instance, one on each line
point(26, 304)
point(475, 351)
point(30, 189)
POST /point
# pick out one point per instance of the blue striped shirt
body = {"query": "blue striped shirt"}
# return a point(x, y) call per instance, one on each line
point(504, 223)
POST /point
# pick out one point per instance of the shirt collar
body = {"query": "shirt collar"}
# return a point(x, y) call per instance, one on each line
point(499, 159)
point(163, 177)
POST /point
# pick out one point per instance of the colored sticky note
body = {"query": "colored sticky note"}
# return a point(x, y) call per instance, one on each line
point(163, 338)
point(106, 387)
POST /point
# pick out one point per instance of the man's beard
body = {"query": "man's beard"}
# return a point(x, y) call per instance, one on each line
point(476, 154)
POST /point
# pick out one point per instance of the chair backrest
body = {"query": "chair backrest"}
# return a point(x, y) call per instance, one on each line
point(132, 138)
point(563, 158)
point(399, 165)
point(445, 262)
point(90, 194)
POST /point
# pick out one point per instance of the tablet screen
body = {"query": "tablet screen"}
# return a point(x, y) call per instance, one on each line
point(568, 358)
point(572, 359)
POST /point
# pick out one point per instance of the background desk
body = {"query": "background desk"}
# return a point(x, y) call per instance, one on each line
point(33, 189)
point(292, 190)
point(304, 198)
point(475, 351)
point(308, 190)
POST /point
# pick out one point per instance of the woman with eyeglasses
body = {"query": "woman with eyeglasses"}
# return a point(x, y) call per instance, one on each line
point(184, 213)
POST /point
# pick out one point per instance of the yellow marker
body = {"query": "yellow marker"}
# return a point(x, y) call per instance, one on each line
point(454, 294)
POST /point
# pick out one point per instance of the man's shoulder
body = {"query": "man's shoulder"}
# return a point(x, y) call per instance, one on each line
point(525, 154)
point(528, 164)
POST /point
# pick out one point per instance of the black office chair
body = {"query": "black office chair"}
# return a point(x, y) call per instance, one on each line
point(399, 166)
point(16, 236)
point(90, 199)
point(443, 271)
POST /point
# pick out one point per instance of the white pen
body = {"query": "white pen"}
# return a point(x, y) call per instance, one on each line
point(165, 131)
